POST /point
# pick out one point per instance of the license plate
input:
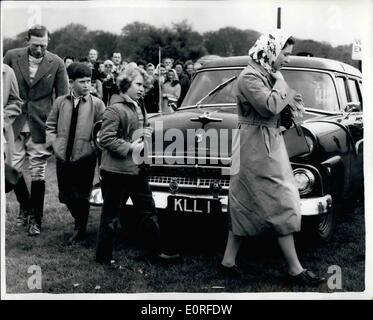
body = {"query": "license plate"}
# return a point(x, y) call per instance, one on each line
point(188, 205)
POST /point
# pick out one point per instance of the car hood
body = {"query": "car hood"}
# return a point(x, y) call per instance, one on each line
point(189, 132)
point(194, 133)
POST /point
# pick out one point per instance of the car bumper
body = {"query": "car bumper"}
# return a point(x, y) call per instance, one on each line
point(309, 206)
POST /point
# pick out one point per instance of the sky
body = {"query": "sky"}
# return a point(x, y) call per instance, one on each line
point(336, 22)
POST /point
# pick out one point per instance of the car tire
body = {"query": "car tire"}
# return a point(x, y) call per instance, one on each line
point(325, 225)
point(320, 229)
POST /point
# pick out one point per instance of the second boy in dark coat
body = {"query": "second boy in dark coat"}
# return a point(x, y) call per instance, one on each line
point(69, 128)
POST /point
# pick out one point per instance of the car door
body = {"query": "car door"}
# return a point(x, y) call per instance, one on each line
point(353, 120)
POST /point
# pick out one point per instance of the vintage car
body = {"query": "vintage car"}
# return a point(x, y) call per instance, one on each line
point(190, 179)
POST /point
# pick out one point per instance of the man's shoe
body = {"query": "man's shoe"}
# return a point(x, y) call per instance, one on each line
point(112, 263)
point(307, 278)
point(22, 219)
point(168, 256)
point(233, 272)
point(33, 229)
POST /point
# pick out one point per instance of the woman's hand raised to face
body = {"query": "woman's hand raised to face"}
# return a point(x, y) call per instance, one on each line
point(297, 106)
point(277, 75)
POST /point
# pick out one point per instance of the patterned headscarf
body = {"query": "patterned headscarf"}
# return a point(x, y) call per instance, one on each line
point(176, 77)
point(268, 47)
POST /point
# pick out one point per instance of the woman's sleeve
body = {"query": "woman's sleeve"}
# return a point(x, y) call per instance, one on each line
point(13, 106)
point(267, 102)
point(108, 134)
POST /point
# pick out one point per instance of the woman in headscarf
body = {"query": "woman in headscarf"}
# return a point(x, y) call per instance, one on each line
point(263, 195)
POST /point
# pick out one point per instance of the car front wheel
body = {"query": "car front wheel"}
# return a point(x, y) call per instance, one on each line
point(320, 228)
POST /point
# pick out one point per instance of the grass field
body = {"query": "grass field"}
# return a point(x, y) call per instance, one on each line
point(71, 269)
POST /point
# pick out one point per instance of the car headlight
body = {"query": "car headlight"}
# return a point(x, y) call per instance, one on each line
point(305, 180)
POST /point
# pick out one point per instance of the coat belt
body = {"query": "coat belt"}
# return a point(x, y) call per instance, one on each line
point(273, 123)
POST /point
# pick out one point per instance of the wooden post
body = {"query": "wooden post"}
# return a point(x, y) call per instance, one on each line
point(160, 100)
point(278, 18)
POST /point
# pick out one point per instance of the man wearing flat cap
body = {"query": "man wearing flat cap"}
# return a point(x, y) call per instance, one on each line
point(41, 77)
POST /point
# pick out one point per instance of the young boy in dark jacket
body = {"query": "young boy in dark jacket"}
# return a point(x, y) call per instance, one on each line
point(69, 127)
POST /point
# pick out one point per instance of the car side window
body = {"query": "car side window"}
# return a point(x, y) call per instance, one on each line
point(342, 90)
point(354, 93)
point(360, 87)
point(317, 88)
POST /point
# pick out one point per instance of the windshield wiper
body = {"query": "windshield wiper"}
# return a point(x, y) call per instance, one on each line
point(216, 89)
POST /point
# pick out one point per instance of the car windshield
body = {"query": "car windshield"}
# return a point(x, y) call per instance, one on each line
point(317, 88)
point(206, 81)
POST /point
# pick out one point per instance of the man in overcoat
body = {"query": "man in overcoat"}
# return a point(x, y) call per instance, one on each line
point(41, 77)
point(11, 109)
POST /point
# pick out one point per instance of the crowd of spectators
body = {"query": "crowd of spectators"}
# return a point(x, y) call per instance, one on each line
point(166, 86)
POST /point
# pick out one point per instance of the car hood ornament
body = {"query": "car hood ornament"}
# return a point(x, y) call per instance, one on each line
point(205, 118)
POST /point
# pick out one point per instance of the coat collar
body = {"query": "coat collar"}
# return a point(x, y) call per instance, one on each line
point(117, 98)
point(43, 69)
point(257, 67)
point(70, 96)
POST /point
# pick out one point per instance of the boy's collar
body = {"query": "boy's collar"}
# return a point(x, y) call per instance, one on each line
point(84, 97)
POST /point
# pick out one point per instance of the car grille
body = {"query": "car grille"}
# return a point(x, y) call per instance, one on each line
point(185, 182)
